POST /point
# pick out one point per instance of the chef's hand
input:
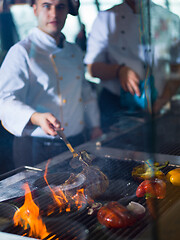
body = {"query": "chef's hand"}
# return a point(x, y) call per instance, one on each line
point(46, 121)
point(96, 132)
point(129, 80)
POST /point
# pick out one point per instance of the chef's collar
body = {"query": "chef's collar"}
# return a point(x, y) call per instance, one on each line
point(45, 41)
point(61, 41)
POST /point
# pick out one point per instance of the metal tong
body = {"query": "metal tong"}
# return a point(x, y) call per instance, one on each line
point(63, 137)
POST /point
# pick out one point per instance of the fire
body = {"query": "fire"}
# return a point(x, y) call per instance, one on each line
point(28, 216)
point(79, 198)
point(64, 201)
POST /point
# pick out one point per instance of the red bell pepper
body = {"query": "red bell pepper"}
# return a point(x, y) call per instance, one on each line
point(155, 188)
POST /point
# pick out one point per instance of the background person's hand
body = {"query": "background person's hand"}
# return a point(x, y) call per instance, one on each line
point(129, 80)
point(47, 121)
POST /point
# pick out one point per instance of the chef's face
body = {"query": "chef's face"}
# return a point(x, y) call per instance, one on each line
point(51, 15)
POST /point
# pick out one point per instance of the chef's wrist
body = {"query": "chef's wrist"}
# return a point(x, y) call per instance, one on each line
point(35, 118)
point(118, 69)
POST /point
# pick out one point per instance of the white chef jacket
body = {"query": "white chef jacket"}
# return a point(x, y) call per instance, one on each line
point(110, 41)
point(115, 38)
point(36, 75)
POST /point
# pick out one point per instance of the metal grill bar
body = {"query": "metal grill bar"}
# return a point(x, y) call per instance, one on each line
point(81, 224)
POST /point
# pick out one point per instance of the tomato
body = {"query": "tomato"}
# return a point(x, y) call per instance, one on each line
point(155, 188)
point(114, 215)
point(174, 176)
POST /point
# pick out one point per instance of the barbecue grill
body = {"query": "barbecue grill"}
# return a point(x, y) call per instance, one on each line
point(117, 164)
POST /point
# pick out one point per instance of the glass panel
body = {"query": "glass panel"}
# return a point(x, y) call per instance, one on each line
point(165, 32)
point(174, 5)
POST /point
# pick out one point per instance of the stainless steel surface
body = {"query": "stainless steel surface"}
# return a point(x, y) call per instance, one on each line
point(17, 170)
point(9, 236)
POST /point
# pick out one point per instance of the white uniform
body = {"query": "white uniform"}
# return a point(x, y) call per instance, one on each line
point(36, 75)
point(110, 41)
point(116, 38)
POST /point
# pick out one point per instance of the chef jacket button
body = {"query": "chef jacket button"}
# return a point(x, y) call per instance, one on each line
point(61, 78)
point(72, 55)
point(81, 122)
point(123, 48)
point(66, 124)
point(64, 101)
point(123, 17)
point(80, 99)
point(122, 31)
point(78, 77)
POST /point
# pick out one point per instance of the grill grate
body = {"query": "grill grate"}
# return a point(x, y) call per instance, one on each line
point(80, 225)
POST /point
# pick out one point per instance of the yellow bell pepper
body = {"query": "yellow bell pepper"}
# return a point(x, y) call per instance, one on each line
point(144, 172)
point(173, 176)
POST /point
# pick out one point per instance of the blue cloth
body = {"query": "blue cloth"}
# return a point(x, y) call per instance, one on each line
point(148, 93)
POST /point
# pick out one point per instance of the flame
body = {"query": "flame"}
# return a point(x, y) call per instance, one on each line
point(79, 198)
point(28, 216)
point(62, 200)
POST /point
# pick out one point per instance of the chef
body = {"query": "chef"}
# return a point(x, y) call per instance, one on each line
point(42, 88)
point(120, 54)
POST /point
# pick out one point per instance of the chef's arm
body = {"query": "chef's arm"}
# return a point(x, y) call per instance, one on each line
point(103, 71)
point(129, 80)
point(47, 121)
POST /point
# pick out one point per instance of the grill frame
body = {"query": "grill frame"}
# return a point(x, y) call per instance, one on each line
point(95, 149)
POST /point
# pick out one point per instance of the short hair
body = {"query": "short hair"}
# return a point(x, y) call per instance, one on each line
point(73, 6)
